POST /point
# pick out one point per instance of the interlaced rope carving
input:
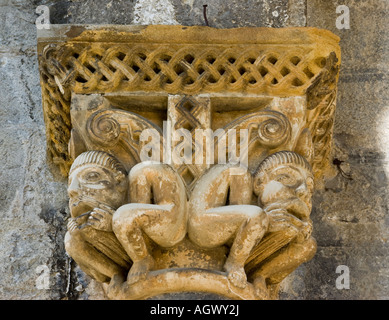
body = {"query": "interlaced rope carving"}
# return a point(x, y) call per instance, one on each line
point(175, 69)
point(189, 110)
point(187, 69)
point(57, 119)
point(321, 99)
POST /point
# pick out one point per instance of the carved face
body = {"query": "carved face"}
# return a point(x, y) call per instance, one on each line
point(91, 185)
point(287, 187)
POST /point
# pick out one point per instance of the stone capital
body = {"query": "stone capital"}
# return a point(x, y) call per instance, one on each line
point(192, 152)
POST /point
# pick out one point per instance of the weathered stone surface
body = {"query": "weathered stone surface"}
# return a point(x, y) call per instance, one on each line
point(303, 62)
point(352, 210)
point(283, 107)
point(362, 101)
point(33, 205)
point(220, 14)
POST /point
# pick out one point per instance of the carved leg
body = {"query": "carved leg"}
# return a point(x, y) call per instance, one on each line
point(249, 234)
point(163, 222)
point(159, 194)
point(261, 290)
point(128, 222)
point(92, 261)
point(224, 215)
point(245, 225)
point(285, 261)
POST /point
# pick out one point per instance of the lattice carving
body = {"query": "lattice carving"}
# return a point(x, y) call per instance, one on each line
point(154, 207)
point(255, 65)
point(321, 100)
point(187, 69)
point(191, 114)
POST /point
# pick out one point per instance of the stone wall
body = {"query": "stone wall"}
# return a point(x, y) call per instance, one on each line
point(350, 214)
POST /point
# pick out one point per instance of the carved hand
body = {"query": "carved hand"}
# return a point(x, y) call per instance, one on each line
point(281, 220)
point(74, 224)
point(101, 219)
point(305, 231)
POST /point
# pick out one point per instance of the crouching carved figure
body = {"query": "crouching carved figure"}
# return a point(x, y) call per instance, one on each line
point(106, 234)
point(157, 211)
point(117, 219)
point(220, 212)
point(284, 185)
point(97, 187)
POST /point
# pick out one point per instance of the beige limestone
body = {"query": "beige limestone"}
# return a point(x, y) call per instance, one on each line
point(187, 60)
point(236, 229)
point(97, 187)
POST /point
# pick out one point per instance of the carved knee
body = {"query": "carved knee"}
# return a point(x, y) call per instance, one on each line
point(121, 220)
point(308, 249)
point(73, 242)
point(196, 232)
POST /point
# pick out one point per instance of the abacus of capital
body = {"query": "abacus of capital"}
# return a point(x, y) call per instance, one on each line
point(226, 218)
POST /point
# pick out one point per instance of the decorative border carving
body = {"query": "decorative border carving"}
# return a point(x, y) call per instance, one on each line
point(107, 92)
point(176, 59)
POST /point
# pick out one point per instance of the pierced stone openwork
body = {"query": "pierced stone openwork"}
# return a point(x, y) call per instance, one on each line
point(192, 153)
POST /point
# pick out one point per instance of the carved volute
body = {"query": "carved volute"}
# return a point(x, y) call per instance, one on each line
point(192, 153)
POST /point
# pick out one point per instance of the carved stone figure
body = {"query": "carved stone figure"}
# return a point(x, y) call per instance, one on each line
point(284, 185)
point(220, 212)
point(157, 212)
point(194, 225)
point(97, 187)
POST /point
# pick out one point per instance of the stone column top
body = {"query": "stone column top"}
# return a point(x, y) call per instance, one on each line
point(188, 34)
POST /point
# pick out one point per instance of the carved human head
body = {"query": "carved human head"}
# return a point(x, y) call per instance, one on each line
point(285, 179)
point(95, 178)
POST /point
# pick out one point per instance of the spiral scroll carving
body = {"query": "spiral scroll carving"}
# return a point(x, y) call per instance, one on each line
point(104, 129)
point(119, 130)
point(189, 67)
point(270, 128)
point(273, 131)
